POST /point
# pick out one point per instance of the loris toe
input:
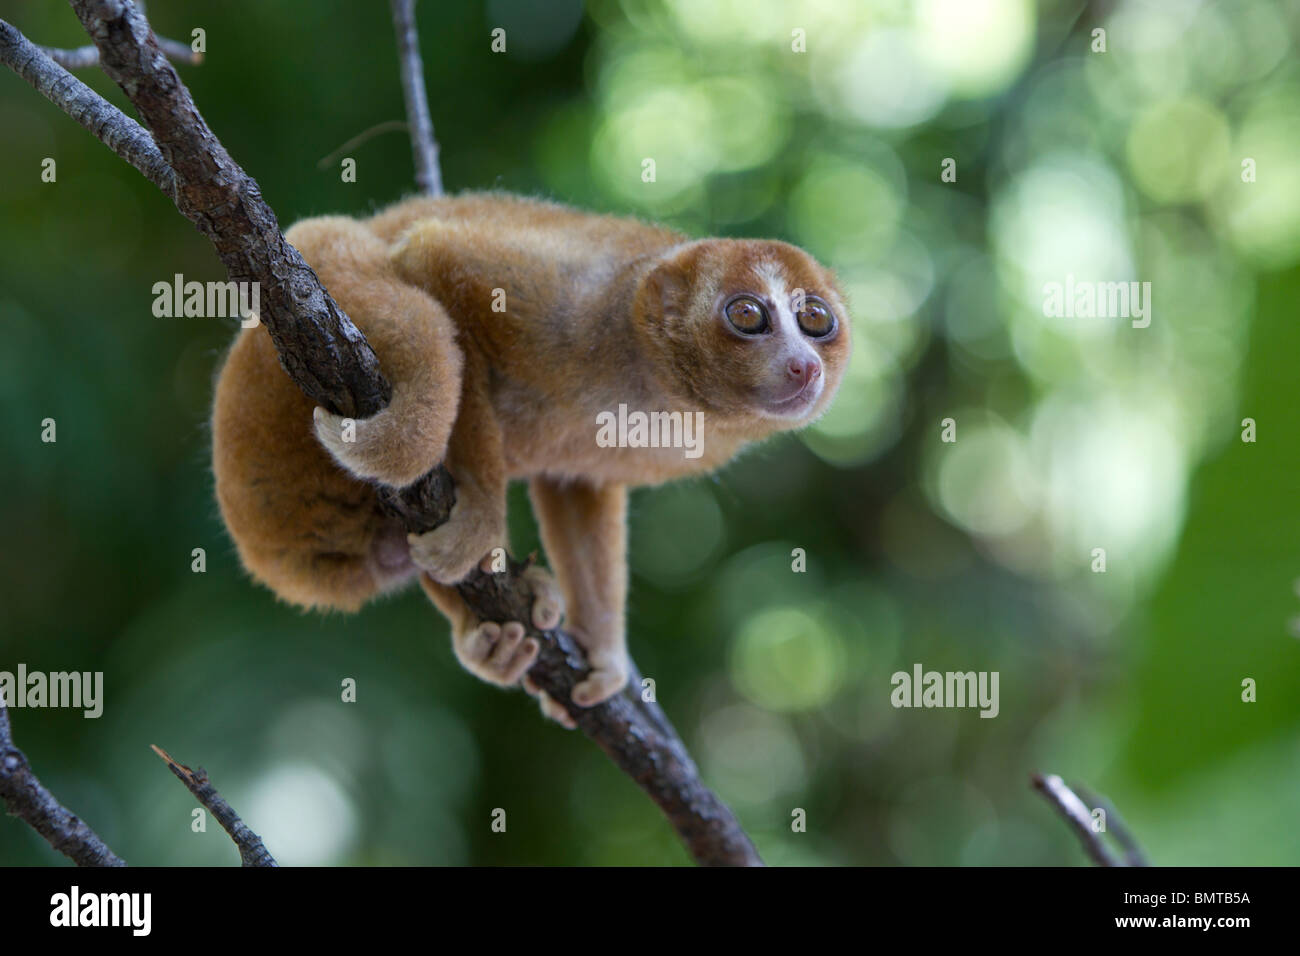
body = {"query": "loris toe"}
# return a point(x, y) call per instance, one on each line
point(497, 653)
point(607, 678)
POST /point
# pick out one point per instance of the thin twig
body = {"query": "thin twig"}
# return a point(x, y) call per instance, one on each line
point(88, 56)
point(251, 850)
point(387, 126)
point(1076, 813)
point(1115, 825)
point(25, 797)
point(424, 147)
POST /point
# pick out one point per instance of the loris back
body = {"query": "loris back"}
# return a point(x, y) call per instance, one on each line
point(507, 326)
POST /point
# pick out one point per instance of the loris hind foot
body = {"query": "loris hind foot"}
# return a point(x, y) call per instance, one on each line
point(470, 535)
point(498, 651)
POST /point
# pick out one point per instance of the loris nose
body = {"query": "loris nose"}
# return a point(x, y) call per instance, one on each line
point(804, 370)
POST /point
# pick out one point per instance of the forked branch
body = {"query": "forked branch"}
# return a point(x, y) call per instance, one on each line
point(25, 797)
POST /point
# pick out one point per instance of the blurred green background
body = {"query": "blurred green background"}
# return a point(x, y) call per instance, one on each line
point(1073, 434)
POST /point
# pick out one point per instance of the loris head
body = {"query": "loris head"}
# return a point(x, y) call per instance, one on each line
point(754, 333)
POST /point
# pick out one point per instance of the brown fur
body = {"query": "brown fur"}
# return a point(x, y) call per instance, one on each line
point(598, 311)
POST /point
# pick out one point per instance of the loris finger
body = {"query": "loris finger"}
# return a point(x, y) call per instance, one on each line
point(523, 658)
point(477, 646)
point(512, 632)
point(497, 653)
point(510, 653)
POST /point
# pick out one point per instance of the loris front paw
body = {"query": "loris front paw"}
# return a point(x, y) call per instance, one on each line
point(451, 550)
point(365, 446)
point(395, 446)
point(499, 653)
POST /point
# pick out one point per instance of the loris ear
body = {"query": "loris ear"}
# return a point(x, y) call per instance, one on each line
point(667, 288)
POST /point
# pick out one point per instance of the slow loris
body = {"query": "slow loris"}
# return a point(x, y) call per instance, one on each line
point(510, 329)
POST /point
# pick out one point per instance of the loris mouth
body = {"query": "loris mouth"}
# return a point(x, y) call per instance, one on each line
point(796, 405)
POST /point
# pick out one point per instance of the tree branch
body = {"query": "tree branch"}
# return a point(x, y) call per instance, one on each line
point(25, 797)
point(1077, 814)
point(424, 147)
point(330, 360)
point(635, 734)
point(251, 850)
point(338, 369)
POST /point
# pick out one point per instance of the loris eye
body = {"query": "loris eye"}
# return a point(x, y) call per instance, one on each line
point(816, 319)
point(747, 314)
